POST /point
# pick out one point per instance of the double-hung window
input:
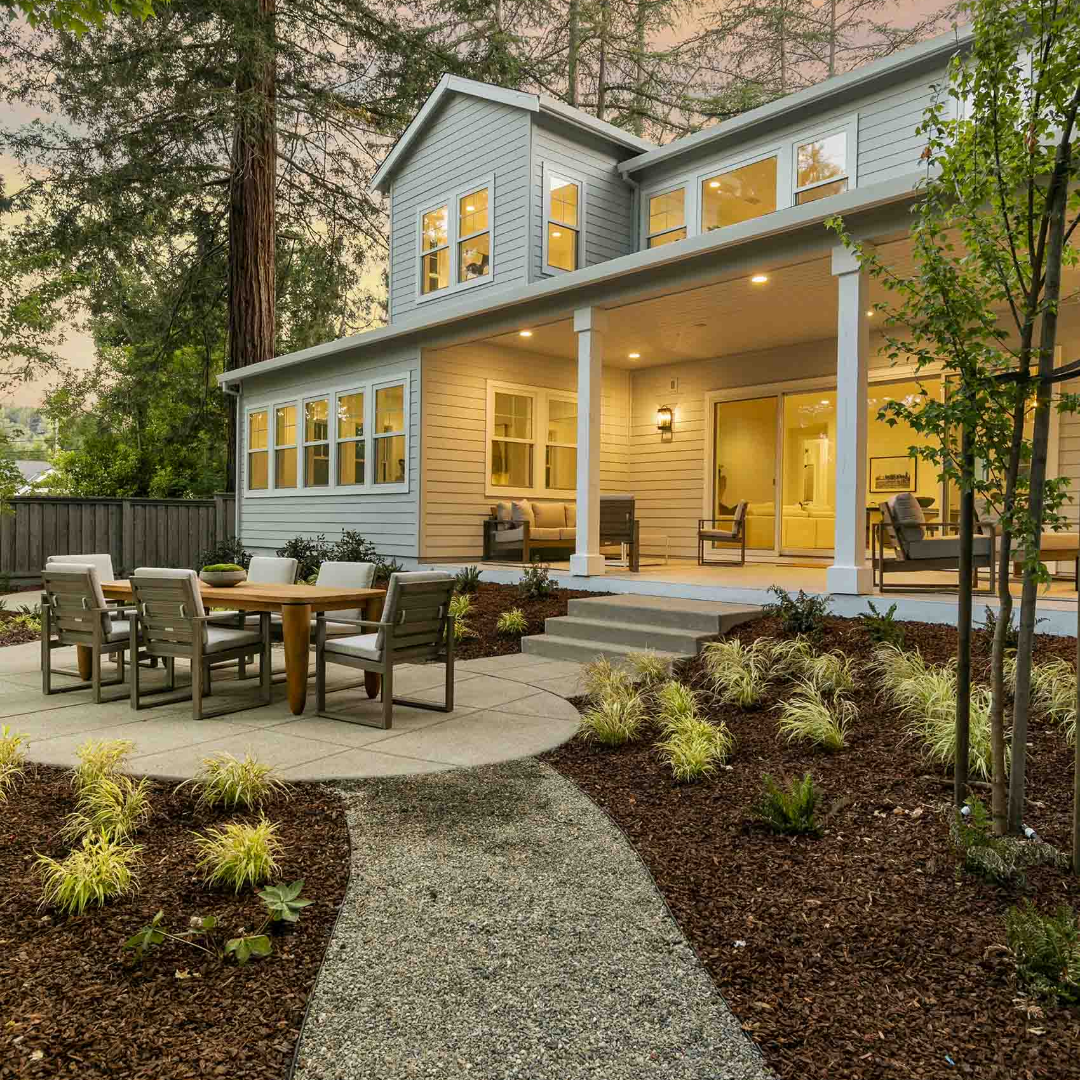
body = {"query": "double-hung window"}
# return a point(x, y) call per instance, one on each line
point(666, 214)
point(821, 167)
point(563, 221)
point(532, 440)
point(456, 241)
point(350, 438)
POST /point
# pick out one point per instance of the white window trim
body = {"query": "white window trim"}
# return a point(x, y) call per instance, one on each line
point(331, 393)
point(541, 395)
point(547, 172)
point(452, 204)
point(304, 443)
point(688, 211)
point(785, 152)
point(294, 446)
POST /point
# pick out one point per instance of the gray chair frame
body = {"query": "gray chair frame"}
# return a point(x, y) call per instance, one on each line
point(902, 563)
point(738, 535)
point(423, 630)
point(166, 630)
point(66, 598)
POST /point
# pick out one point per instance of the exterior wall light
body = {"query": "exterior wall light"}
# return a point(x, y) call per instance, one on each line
point(663, 422)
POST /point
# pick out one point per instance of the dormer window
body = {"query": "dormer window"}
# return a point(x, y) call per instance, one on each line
point(455, 241)
point(563, 216)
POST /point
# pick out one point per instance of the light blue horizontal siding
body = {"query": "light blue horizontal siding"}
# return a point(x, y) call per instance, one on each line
point(888, 145)
point(389, 521)
point(468, 140)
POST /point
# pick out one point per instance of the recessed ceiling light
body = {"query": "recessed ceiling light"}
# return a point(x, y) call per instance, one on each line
point(870, 314)
point(556, 233)
point(634, 355)
point(524, 333)
point(714, 183)
point(760, 279)
point(469, 209)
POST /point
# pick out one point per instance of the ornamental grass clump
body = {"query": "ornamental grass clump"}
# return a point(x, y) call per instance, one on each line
point(811, 715)
point(12, 760)
point(460, 607)
point(677, 704)
point(97, 759)
point(895, 666)
point(933, 723)
point(239, 854)
point(832, 673)
point(613, 719)
point(102, 868)
point(112, 806)
point(233, 784)
point(603, 679)
point(738, 674)
point(1046, 949)
point(787, 658)
point(512, 622)
point(648, 666)
point(695, 748)
point(1053, 691)
point(789, 811)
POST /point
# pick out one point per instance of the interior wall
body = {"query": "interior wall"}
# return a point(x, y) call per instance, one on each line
point(453, 499)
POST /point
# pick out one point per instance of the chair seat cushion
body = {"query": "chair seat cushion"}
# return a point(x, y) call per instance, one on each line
point(363, 646)
point(220, 638)
point(945, 547)
point(121, 629)
point(719, 534)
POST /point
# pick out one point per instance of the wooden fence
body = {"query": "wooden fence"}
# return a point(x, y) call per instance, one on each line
point(135, 532)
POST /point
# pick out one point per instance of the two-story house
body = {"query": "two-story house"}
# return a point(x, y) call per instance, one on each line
point(557, 284)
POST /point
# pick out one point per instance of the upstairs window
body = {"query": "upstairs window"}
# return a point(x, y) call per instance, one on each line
point(456, 241)
point(821, 168)
point(740, 194)
point(667, 217)
point(562, 222)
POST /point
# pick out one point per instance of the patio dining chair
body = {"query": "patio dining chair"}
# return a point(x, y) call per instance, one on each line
point(74, 612)
point(710, 531)
point(416, 627)
point(171, 623)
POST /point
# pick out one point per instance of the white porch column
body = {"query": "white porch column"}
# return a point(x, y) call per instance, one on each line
point(850, 572)
point(590, 325)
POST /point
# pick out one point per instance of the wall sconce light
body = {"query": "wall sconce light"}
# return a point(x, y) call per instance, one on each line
point(663, 422)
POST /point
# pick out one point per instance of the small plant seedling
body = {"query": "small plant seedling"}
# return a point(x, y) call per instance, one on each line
point(284, 902)
point(12, 760)
point(882, 627)
point(467, 580)
point(512, 622)
point(790, 810)
point(536, 583)
point(152, 935)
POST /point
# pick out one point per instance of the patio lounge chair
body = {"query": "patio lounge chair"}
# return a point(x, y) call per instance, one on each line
point(171, 621)
point(709, 531)
point(416, 626)
point(74, 612)
point(904, 529)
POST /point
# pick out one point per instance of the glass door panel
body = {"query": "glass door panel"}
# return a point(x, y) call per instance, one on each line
point(745, 466)
point(808, 509)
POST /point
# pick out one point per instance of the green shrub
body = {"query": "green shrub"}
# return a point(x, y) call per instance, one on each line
point(613, 719)
point(460, 606)
point(801, 614)
point(738, 674)
point(98, 759)
point(998, 858)
point(223, 568)
point(788, 810)
point(310, 552)
point(536, 583)
point(352, 547)
point(383, 570)
point(467, 580)
point(694, 748)
point(1046, 949)
point(601, 678)
point(112, 806)
point(512, 622)
point(226, 551)
point(233, 784)
point(882, 627)
point(808, 715)
point(239, 854)
point(91, 874)
point(648, 666)
point(678, 705)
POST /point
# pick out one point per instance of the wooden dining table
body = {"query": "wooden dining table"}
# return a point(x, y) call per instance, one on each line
point(294, 603)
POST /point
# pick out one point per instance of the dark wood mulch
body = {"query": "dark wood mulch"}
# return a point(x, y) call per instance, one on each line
point(75, 1004)
point(491, 600)
point(867, 953)
point(11, 633)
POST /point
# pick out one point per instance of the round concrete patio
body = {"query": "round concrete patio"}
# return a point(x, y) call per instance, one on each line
point(506, 707)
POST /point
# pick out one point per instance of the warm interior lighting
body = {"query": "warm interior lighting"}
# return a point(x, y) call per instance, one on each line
point(869, 314)
point(469, 209)
point(760, 279)
point(524, 333)
point(714, 183)
point(663, 419)
point(555, 232)
point(634, 355)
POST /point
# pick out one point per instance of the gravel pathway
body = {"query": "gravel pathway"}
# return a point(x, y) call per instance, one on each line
point(498, 926)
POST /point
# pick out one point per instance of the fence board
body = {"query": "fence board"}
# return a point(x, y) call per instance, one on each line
point(135, 532)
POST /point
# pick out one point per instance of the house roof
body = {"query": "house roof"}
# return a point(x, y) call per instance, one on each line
point(31, 470)
point(537, 103)
point(908, 62)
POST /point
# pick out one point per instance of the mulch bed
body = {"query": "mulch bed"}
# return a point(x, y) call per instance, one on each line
point(866, 953)
point(75, 1004)
point(491, 600)
point(11, 633)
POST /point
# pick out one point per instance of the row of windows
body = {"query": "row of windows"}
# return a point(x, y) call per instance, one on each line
point(327, 440)
point(788, 175)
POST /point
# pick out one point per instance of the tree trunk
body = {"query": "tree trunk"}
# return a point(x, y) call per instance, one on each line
point(601, 70)
point(251, 201)
point(1056, 199)
point(640, 14)
point(573, 48)
point(832, 37)
point(1076, 764)
point(963, 618)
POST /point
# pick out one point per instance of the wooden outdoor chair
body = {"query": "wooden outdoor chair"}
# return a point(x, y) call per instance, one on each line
point(619, 525)
point(74, 612)
point(710, 532)
point(416, 627)
point(171, 622)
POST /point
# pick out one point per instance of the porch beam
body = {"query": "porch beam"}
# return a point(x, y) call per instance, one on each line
point(590, 325)
point(850, 574)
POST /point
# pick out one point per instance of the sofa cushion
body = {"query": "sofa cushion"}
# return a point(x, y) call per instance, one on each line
point(946, 547)
point(504, 511)
point(549, 515)
point(571, 515)
point(908, 516)
point(544, 534)
point(568, 534)
point(522, 510)
point(510, 536)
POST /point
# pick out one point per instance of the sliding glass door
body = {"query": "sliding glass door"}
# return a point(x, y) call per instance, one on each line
point(745, 466)
point(808, 514)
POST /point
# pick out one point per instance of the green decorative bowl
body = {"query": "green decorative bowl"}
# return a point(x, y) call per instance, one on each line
point(222, 579)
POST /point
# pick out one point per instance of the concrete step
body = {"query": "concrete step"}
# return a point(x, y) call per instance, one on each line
point(560, 648)
point(634, 635)
point(708, 617)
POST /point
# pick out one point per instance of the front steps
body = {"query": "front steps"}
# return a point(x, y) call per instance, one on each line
point(614, 626)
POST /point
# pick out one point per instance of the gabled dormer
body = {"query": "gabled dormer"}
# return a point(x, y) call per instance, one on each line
point(493, 188)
